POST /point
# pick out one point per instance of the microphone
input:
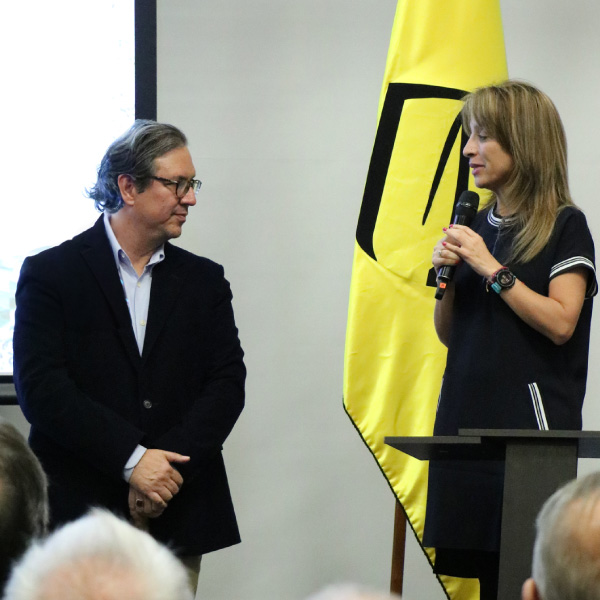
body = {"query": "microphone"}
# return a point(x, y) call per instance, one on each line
point(466, 209)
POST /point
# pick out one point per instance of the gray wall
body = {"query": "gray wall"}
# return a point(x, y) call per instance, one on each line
point(279, 100)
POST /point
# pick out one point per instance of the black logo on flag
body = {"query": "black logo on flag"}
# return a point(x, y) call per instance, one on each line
point(396, 95)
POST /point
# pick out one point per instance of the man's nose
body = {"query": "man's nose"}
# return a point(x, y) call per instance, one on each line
point(189, 198)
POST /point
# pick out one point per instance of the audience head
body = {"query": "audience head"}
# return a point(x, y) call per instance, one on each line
point(23, 497)
point(98, 557)
point(351, 591)
point(566, 554)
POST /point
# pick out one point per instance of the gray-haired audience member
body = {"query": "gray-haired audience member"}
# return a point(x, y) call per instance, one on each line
point(23, 497)
point(351, 591)
point(566, 554)
point(98, 556)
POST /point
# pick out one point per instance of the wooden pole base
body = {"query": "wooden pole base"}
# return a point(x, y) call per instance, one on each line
point(398, 550)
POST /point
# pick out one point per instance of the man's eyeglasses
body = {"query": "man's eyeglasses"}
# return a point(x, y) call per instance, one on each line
point(182, 187)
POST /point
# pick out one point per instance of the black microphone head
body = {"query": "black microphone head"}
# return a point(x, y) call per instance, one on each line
point(464, 213)
point(467, 205)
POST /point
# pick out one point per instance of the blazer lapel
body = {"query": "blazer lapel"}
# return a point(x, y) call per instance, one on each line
point(167, 280)
point(98, 254)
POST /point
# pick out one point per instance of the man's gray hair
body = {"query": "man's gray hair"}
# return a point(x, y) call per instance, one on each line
point(23, 497)
point(98, 555)
point(133, 154)
point(566, 554)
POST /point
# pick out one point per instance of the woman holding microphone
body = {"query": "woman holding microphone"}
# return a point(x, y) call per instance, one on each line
point(515, 319)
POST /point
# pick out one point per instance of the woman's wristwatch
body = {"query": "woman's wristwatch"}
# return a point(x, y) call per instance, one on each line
point(502, 279)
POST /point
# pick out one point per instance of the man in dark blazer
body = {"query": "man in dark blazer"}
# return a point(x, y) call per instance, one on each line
point(127, 361)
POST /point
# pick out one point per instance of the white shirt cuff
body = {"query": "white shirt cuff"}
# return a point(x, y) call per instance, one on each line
point(134, 459)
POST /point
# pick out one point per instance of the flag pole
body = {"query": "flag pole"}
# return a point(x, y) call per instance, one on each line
point(398, 550)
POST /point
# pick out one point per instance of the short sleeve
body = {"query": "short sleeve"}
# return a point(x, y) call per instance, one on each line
point(574, 247)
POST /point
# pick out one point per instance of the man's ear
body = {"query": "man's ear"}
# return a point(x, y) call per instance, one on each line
point(529, 591)
point(127, 188)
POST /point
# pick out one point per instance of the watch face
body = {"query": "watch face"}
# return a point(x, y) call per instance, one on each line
point(505, 278)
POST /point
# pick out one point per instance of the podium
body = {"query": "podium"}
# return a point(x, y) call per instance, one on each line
point(537, 463)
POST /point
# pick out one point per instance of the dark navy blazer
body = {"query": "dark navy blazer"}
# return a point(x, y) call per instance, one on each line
point(91, 398)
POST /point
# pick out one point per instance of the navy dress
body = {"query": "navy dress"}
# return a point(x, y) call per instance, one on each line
point(502, 374)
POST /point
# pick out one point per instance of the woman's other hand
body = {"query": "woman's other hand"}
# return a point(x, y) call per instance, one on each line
point(463, 243)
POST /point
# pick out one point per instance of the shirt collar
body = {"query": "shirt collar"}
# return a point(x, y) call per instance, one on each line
point(120, 255)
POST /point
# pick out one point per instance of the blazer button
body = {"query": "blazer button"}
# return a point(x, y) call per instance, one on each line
point(147, 404)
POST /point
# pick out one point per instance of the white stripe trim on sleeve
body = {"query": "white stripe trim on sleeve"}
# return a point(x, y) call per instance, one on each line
point(571, 263)
point(538, 407)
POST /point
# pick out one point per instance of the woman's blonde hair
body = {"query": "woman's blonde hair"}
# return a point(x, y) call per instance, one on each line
point(525, 122)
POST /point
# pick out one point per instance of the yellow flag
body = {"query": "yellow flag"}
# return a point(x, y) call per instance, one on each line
point(440, 49)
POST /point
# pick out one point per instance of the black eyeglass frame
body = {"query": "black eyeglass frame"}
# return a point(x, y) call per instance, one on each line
point(182, 187)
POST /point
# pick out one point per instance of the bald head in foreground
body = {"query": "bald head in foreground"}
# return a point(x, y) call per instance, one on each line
point(566, 554)
point(98, 557)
